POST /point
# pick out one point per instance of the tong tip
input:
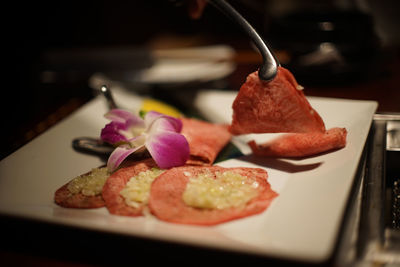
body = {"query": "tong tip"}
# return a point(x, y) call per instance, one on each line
point(268, 72)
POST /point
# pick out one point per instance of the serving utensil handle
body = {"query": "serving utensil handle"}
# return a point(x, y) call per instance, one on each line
point(269, 68)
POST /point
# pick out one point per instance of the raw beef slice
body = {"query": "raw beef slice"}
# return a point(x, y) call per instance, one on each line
point(205, 140)
point(301, 144)
point(166, 202)
point(64, 198)
point(115, 203)
point(272, 107)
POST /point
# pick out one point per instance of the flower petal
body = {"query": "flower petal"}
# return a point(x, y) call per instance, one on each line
point(124, 116)
point(137, 140)
point(168, 149)
point(119, 155)
point(123, 126)
point(111, 133)
point(164, 122)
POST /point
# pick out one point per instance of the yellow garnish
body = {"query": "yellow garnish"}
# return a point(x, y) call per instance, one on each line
point(155, 105)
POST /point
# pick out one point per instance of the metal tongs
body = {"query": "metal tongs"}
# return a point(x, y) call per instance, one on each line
point(269, 68)
point(95, 145)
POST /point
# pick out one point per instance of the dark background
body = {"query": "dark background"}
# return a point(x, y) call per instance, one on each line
point(36, 29)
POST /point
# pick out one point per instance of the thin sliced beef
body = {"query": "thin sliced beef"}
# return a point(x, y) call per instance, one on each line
point(205, 140)
point(115, 203)
point(272, 107)
point(166, 197)
point(302, 144)
point(64, 198)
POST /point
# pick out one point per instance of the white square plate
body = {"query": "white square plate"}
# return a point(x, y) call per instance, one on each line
point(302, 222)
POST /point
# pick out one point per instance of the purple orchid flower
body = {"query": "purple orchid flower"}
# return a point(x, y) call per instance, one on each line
point(158, 133)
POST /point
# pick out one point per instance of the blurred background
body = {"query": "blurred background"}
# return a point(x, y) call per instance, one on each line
point(58, 52)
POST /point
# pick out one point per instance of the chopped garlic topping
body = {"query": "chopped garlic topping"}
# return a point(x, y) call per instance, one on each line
point(90, 184)
point(137, 190)
point(224, 190)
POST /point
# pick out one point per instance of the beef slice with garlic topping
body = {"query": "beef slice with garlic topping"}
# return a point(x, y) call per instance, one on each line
point(166, 196)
